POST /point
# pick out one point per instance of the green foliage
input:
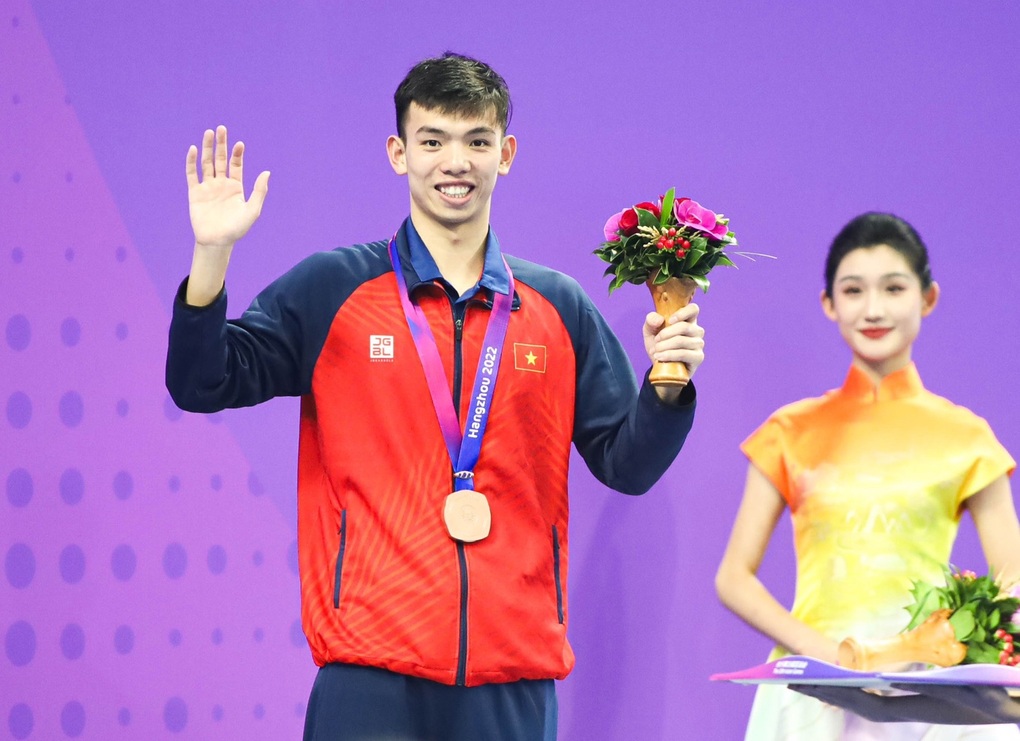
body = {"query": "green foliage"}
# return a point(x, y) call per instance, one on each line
point(636, 257)
point(979, 608)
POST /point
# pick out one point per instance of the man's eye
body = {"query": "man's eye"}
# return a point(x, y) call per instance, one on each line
point(480, 143)
point(431, 143)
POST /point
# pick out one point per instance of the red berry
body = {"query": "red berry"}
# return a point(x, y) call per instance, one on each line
point(686, 244)
point(1008, 648)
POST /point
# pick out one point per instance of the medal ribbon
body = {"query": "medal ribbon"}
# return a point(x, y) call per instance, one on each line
point(464, 448)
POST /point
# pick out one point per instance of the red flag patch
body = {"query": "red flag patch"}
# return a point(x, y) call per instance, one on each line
point(529, 357)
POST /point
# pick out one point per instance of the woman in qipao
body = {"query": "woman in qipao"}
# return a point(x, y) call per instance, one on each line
point(876, 475)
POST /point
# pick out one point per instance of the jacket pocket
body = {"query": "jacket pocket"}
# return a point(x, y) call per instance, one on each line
point(340, 558)
point(556, 574)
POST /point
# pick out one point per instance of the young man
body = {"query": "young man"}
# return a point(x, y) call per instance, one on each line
point(433, 556)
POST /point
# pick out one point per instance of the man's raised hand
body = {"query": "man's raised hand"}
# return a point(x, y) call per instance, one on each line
point(220, 215)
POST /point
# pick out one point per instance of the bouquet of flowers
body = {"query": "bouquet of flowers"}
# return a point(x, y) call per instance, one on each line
point(970, 620)
point(675, 237)
point(984, 614)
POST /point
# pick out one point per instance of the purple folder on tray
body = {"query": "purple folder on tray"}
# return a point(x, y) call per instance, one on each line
point(804, 670)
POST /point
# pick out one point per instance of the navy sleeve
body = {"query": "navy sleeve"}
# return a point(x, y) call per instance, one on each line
point(626, 435)
point(272, 349)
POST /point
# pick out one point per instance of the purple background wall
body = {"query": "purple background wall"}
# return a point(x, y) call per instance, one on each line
point(149, 581)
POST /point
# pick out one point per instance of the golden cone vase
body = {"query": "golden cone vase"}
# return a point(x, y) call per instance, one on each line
point(931, 642)
point(670, 297)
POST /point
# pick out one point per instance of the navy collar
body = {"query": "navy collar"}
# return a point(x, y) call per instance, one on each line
point(494, 276)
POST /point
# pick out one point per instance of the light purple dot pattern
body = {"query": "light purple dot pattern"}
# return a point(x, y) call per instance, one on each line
point(123, 485)
point(101, 566)
point(70, 332)
point(19, 565)
point(19, 332)
point(19, 410)
point(217, 559)
point(72, 719)
point(175, 561)
point(175, 715)
point(297, 635)
point(255, 485)
point(124, 640)
point(20, 487)
point(72, 486)
point(19, 643)
point(72, 642)
point(72, 409)
point(20, 721)
point(72, 564)
point(170, 410)
point(123, 562)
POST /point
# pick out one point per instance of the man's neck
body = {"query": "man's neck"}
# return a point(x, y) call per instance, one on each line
point(459, 253)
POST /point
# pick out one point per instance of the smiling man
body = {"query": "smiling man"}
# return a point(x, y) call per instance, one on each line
point(432, 502)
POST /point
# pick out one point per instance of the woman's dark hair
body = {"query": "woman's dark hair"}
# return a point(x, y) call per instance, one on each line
point(453, 84)
point(872, 229)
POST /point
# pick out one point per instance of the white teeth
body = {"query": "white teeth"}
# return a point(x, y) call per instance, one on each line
point(454, 191)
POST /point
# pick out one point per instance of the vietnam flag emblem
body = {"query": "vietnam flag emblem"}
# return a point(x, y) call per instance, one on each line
point(529, 357)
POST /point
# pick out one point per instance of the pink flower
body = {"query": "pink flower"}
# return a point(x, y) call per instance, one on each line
point(693, 214)
point(612, 227)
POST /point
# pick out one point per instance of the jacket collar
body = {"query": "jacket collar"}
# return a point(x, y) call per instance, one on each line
point(420, 268)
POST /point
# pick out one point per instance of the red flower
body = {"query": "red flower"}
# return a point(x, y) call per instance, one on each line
point(629, 218)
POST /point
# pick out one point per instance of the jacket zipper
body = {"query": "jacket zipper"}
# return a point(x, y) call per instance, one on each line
point(556, 574)
point(459, 311)
point(340, 558)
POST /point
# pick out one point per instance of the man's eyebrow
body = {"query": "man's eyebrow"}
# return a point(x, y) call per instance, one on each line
point(442, 132)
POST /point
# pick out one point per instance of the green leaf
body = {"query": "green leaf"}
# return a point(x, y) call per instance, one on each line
point(667, 207)
point(963, 624)
point(981, 653)
point(724, 260)
point(646, 217)
point(702, 282)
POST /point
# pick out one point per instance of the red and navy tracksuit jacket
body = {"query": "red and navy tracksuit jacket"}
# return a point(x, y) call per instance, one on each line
point(382, 582)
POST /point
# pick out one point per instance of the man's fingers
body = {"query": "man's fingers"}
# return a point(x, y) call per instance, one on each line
point(191, 166)
point(207, 154)
point(258, 193)
point(237, 162)
point(220, 161)
point(688, 313)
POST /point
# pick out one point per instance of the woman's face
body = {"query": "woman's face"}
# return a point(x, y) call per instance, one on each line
point(877, 303)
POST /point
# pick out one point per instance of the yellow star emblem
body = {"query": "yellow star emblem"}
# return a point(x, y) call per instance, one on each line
point(531, 357)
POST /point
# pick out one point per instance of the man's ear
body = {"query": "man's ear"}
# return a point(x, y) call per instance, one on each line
point(507, 154)
point(827, 306)
point(930, 298)
point(396, 150)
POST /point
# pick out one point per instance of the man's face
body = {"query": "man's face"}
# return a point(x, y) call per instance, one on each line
point(451, 163)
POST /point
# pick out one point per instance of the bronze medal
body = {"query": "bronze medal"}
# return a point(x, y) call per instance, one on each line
point(467, 515)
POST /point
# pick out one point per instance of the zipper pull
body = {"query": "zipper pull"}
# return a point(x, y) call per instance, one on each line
point(458, 327)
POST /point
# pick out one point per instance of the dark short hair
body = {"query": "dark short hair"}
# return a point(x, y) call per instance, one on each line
point(872, 229)
point(453, 84)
